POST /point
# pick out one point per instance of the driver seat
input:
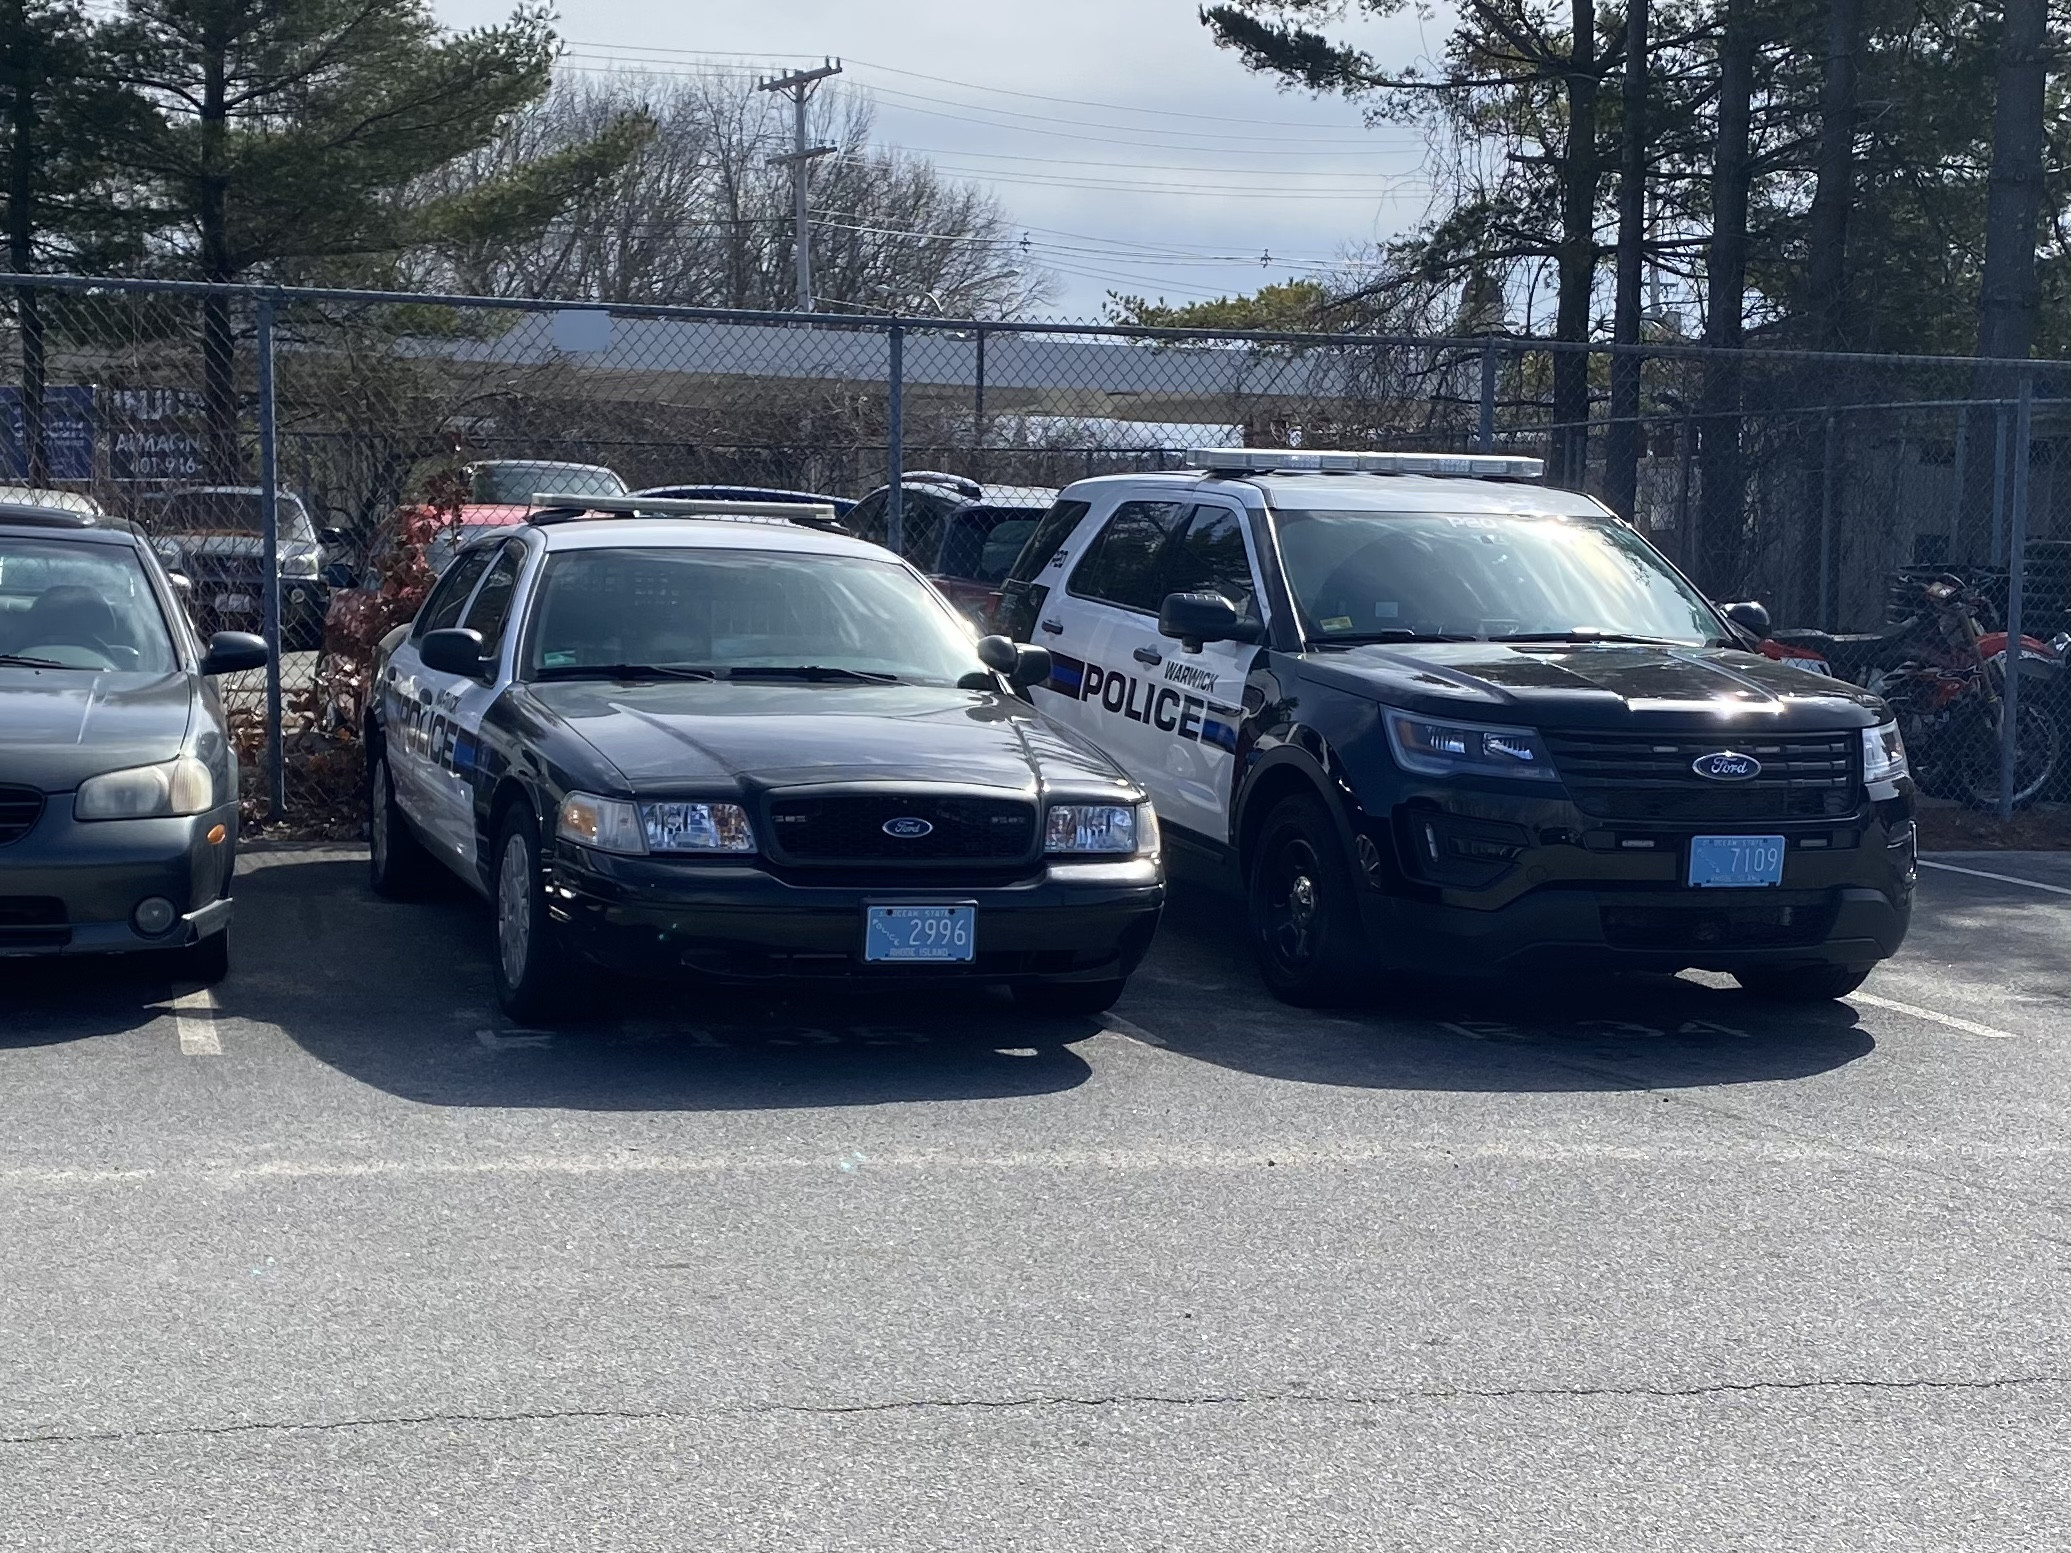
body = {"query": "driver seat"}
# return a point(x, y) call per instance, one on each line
point(69, 615)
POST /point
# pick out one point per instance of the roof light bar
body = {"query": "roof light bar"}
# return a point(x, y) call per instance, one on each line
point(810, 514)
point(1472, 466)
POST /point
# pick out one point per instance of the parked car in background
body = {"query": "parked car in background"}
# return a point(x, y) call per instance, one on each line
point(964, 535)
point(43, 496)
point(213, 536)
point(513, 482)
point(756, 493)
point(118, 782)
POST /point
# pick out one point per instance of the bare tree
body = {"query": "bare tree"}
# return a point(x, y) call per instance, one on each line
point(700, 216)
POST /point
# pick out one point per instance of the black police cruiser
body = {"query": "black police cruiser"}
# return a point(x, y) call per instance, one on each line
point(727, 742)
point(1431, 715)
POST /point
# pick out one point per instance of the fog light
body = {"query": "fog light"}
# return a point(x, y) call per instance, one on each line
point(154, 914)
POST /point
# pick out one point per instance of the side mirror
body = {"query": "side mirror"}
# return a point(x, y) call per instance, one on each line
point(1192, 619)
point(453, 652)
point(334, 538)
point(182, 585)
point(1018, 663)
point(1751, 616)
point(233, 652)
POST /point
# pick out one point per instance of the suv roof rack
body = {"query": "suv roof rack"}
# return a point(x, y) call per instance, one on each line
point(1472, 466)
point(560, 507)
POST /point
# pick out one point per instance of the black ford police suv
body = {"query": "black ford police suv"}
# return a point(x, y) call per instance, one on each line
point(1430, 715)
point(722, 743)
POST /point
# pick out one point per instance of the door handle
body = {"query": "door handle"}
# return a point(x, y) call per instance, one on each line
point(1053, 627)
point(1149, 655)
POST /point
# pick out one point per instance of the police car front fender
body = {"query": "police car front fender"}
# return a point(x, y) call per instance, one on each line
point(1298, 761)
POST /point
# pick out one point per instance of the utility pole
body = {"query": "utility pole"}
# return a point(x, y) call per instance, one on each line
point(799, 86)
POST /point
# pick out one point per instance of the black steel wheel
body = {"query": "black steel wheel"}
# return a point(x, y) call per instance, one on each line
point(1304, 907)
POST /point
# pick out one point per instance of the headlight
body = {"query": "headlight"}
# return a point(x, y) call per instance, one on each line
point(179, 786)
point(1110, 829)
point(299, 565)
point(1883, 754)
point(696, 827)
point(1435, 748)
point(608, 824)
point(618, 825)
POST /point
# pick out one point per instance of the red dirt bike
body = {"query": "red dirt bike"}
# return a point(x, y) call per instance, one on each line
point(1944, 674)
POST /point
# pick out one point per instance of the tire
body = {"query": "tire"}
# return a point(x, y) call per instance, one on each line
point(206, 961)
point(2038, 741)
point(537, 980)
point(1304, 908)
point(1801, 983)
point(1069, 997)
point(398, 867)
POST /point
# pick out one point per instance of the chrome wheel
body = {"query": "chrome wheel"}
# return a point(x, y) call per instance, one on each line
point(514, 909)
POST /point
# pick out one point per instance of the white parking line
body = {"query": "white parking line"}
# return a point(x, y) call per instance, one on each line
point(194, 1016)
point(1916, 1011)
point(1979, 873)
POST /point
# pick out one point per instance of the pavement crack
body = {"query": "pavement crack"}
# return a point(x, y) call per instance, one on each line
point(1093, 1400)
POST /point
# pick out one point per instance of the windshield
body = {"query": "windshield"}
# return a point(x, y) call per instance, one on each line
point(728, 610)
point(515, 484)
point(1361, 576)
point(75, 605)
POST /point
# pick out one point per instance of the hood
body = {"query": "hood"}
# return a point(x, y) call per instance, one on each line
point(60, 726)
point(1603, 686)
point(683, 735)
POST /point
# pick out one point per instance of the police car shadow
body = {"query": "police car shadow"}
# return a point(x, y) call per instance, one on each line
point(400, 997)
point(1200, 997)
point(52, 1002)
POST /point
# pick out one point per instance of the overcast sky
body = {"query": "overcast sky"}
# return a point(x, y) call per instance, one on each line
point(1171, 171)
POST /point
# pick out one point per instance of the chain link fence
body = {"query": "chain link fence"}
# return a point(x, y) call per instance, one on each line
point(308, 459)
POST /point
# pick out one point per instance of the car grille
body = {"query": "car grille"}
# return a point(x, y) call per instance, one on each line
point(837, 828)
point(1643, 776)
point(20, 807)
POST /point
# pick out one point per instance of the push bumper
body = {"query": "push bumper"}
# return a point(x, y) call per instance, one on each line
point(1077, 922)
point(70, 888)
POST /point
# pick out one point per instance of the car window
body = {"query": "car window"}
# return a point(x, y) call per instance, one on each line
point(1122, 565)
point(491, 610)
point(727, 611)
point(81, 606)
point(982, 542)
point(1209, 557)
point(866, 518)
point(1047, 539)
point(442, 609)
point(515, 483)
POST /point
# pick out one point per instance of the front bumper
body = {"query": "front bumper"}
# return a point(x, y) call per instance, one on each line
point(736, 922)
point(1585, 900)
point(70, 888)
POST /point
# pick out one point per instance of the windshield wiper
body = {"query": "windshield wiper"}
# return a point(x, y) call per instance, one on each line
point(1582, 635)
point(16, 660)
point(625, 671)
point(811, 671)
point(1399, 634)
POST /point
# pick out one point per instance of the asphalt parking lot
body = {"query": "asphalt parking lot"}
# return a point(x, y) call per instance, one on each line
point(335, 1257)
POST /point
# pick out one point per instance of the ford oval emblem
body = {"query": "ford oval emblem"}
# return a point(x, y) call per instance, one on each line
point(1727, 766)
point(908, 827)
